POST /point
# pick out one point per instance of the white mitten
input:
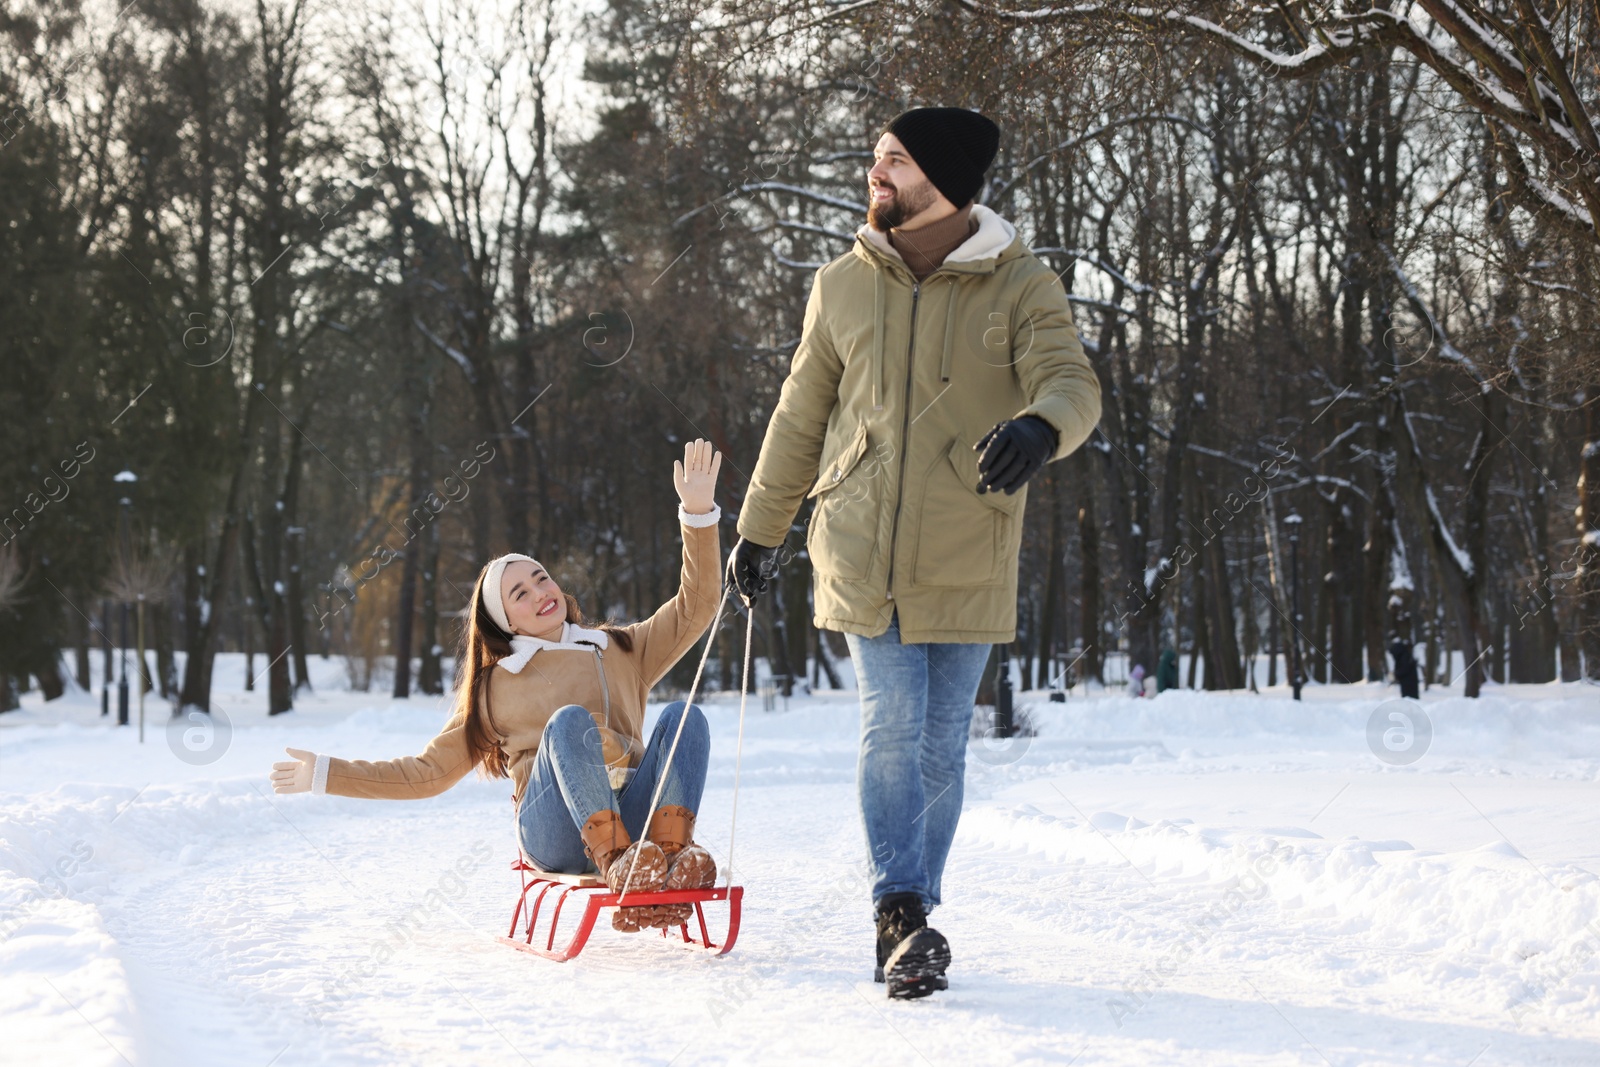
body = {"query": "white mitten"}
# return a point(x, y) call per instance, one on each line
point(307, 773)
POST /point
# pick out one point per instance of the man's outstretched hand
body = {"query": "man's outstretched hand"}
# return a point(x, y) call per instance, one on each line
point(1013, 452)
point(751, 567)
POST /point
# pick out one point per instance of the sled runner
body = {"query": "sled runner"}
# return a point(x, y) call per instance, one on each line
point(542, 887)
point(591, 895)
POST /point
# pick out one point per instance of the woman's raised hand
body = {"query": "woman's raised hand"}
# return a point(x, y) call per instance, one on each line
point(294, 777)
point(695, 477)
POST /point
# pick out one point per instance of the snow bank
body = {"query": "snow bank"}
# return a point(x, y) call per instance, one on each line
point(1193, 714)
point(1489, 921)
point(64, 993)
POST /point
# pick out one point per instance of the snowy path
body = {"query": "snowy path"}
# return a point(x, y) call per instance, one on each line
point(1183, 881)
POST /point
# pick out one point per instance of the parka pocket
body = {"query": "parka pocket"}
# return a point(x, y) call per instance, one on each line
point(964, 538)
point(843, 532)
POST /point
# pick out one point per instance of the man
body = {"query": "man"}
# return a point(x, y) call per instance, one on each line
point(937, 371)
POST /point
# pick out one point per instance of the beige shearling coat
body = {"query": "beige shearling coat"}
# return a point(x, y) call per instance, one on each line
point(612, 684)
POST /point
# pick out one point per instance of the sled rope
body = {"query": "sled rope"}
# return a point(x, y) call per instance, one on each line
point(738, 751)
point(694, 687)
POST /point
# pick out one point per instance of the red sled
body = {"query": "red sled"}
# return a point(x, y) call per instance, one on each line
point(594, 895)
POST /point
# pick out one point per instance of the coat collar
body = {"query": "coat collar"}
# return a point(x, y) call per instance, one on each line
point(573, 638)
point(978, 254)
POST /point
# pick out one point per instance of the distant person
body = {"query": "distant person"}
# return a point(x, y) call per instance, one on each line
point(1405, 667)
point(567, 731)
point(1167, 671)
point(1136, 680)
point(938, 371)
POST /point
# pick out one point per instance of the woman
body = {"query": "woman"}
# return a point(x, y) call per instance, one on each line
point(558, 708)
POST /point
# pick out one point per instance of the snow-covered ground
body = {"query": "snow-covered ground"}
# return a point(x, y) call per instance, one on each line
point(1222, 879)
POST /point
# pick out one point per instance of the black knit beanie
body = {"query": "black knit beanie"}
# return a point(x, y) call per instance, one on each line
point(952, 145)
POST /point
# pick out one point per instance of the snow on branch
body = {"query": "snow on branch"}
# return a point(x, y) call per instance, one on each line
point(1094, 260)
point(1340, 36)
point(1399, 562)
point(1225, 456)
point(1089, 135)
point(1552, 197)
point(796, 264)
point(808, 194)
point(773, 187)
point(1088, 301)
point(1342, 483)
point(1337, 441)
point(1463, 561)
point(444, 346)
point(1447, 350)
point(806, 227)
point(1477, 57)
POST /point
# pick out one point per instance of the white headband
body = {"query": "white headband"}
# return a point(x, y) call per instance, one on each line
point(491, 587)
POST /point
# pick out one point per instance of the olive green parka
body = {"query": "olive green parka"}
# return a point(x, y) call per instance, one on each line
point(892, 384)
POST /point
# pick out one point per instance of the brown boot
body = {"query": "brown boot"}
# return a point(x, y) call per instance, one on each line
point(689, 865)
point(640, 863)
point(604, 838)
point(643, 868)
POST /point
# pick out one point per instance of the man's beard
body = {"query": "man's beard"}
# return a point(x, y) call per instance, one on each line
point(905, 204)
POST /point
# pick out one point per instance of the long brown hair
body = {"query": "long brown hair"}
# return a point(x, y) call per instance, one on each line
point(483, 644)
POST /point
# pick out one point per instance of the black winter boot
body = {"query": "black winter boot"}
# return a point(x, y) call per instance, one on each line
point(912, 956)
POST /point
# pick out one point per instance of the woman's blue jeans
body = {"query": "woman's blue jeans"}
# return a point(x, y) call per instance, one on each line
point(916, 712)
point(569, 782)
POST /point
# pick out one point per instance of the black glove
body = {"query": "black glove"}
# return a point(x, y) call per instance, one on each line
point(751, 567)
point(1013, 452)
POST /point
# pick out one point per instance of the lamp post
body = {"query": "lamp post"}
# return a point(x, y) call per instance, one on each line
point(105, 665)
point(1292, 520)
point(126, 502)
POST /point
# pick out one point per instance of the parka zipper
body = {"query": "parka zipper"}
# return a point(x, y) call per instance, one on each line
point(905, 433)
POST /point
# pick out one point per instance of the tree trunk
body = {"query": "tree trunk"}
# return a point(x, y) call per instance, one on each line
point(1341, 582)
point(1532, 614)
point(80, 659)
point(1093, 660)
point(166, 657)
point(207, 590)
point(1274, 646)
point(1316, 635)
point(200, 648)
point(1587, 613)
point(797, 619)
point(1252, 635)
point(825, 658)
point(1223, 662)
point(1197, 626)
point(406, 600)
point(1375, 590)
point(1567, 639)
point(1045, 646)
point(430, 676)
point(246, 622)
point(295, 600)
point(270, 614)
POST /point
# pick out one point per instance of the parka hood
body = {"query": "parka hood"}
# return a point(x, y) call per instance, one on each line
point(977, 254)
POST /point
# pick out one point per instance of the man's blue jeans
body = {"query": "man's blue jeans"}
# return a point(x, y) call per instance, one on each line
point(916, 711)
point(569, 783)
